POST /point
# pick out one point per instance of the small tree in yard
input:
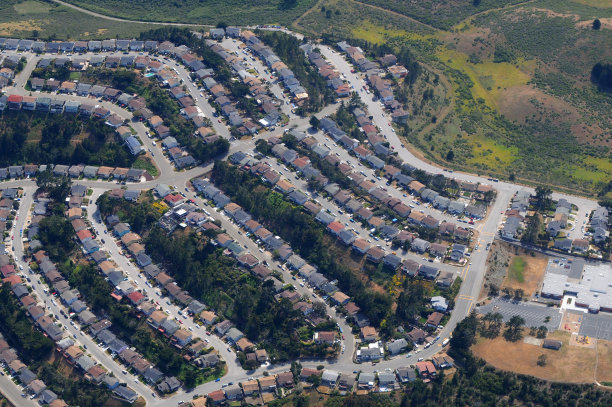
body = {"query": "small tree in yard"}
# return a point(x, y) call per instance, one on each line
point(542, 360)
point(319, 309)
point(542, 331)
point(314, 122)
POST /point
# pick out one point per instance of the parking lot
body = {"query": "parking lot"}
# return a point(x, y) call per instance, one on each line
point(534, 315)
point(597, 326)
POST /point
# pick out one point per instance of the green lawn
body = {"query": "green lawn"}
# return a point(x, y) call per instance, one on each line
point(516, 269)
point(144, 163)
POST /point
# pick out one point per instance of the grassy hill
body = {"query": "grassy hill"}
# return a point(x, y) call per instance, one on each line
point(47, 20)
point(237, 12)
point(520, 103)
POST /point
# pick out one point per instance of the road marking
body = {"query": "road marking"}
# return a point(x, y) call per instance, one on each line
point(464, 272)
point(465, 297)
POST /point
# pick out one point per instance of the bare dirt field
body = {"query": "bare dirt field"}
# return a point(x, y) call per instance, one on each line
point(524, 101)
point(532, 273)
point(604, 361)
point(500, 274)
point(569, 364)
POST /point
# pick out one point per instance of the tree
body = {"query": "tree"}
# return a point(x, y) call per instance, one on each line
point(542, 360)
point(450, 155)
point(263, 147)
point(542, 331)
point(319, 309)
point(464, 335)
point(314, 122)
point(518, 294)
point(596, 24)
point(543, 199)
point(58, 187)
point(476, 3)
point(533, 230)
point(601, 74)
point(491, 326)
point(514, 328)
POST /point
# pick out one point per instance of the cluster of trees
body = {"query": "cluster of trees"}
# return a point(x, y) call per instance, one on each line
point(57, 188)
point(447, 187)
point(18, 330)
point(141, 217)
point(73, 390)
point(60, 73)
point(286, 47)
point(55, 233)
point(29, 137)
point(601, 75)
point(306, 236)
point(214, 278)
point(503, 54)
point(346, 120)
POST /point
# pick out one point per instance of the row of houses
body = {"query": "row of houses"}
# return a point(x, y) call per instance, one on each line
point(167, 77)
point(375, 74)
point(273, 243)
point(327, 71)
point(58, 106)
point(53, 47)
point(404, 181)
point(8, 356)
point(124, 289)
point(294, 262)
point(186, 213)
point(65, 345)
point(383, 381)
point(284, 74)
point(345, 200)
point(599, 222)
point(268, 104)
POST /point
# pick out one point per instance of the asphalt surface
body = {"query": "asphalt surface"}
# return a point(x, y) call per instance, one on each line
point(534, 315)
point(472, 275)
point(596, 326)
